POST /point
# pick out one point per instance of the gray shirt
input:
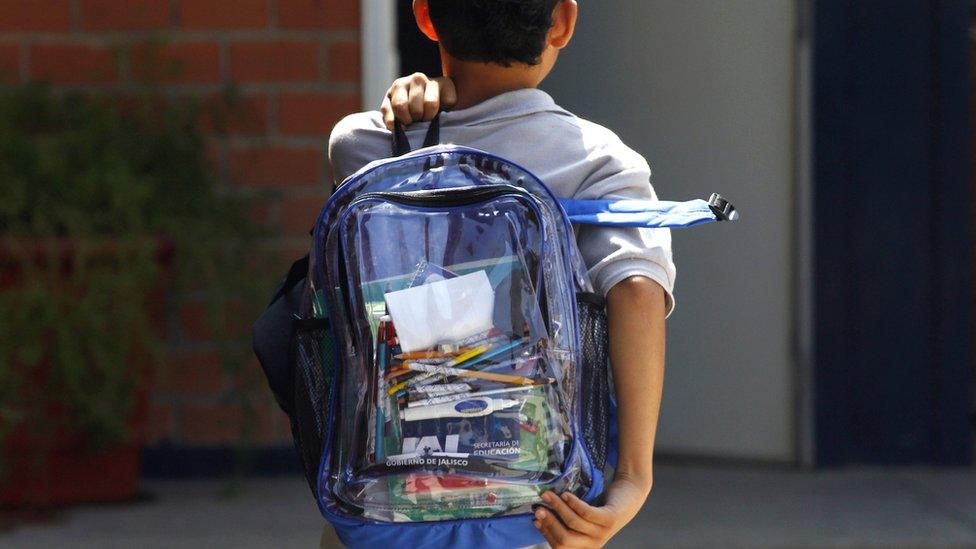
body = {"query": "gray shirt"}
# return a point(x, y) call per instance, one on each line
point(574, 157)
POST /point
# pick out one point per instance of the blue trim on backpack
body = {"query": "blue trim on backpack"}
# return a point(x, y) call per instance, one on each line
point(638, 213)
point(502, 532)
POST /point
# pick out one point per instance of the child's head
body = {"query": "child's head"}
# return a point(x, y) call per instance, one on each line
point(508, 33)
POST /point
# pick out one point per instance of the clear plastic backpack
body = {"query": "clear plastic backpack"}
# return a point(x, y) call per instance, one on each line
point(446, 360)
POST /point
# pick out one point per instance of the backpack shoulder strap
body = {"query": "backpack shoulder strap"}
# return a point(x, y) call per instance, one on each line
point(297, 273)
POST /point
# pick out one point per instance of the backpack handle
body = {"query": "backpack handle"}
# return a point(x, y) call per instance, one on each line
point(401, 145)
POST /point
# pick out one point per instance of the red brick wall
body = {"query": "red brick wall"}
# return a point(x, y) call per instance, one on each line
point(296, 65)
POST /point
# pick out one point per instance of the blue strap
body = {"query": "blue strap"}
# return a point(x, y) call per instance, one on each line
point(642, 213)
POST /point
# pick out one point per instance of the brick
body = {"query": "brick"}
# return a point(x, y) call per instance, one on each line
point(216, 153)
point(313, 113)
point(198, 325)
point(267, 425)
point(246, 115)
point(278, 256)
point(185, 62)
point(274, 61)
point(223, 423)
point(160, 424)
point(9, 62)
point(259, 211)
point(103, 15)
point(214, 423)
point(195, 322)
point(73, 63)
point(221, 14)
point(288, 252)
point(344, 62)
point(250, 378)
point(35, 15)
point(298, 213)
point(326, 14)
point(276, 166)
point(191, 373)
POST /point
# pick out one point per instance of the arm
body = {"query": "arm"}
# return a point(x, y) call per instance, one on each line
point(635, 308)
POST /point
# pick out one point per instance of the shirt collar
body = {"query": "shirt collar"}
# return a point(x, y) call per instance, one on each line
point(506, 105)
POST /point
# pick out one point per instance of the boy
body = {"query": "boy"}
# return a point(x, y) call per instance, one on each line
point(496, 52)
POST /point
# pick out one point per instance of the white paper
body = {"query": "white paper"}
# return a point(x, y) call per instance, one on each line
point(442, 311)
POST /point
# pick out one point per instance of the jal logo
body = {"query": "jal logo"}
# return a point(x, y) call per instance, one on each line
point(427, 445)
point(470, 407)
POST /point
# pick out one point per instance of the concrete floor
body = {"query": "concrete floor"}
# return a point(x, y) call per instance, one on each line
point(690, 507)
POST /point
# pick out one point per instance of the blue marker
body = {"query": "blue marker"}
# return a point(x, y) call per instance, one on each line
point(490, 354)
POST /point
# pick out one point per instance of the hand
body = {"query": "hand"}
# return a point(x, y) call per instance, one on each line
point(588, 526)
point(416, 98)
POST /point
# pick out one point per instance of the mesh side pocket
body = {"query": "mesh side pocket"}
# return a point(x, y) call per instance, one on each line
point(595, 385)
point(313, 379)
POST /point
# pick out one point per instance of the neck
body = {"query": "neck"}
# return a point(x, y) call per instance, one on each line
point(477, 82)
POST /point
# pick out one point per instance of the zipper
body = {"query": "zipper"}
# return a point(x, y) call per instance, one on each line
point(453, 196)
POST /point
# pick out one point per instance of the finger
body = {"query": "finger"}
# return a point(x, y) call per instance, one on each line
point(595, 515)
point(432, 99)
point(386, 110)
point(554, 532)
point(448, 92)
point(569, 516)
point(401, 109)
point(416, 100)
point(538, 526)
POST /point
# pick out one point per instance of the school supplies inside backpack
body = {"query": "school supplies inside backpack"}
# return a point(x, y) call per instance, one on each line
point(440, 352)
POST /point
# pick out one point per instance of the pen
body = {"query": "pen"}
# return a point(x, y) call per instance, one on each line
point(461, 396)
point(428, 391)
point(474, 407)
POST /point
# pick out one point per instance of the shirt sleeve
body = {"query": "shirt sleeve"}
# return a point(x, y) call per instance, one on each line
point(357, 140)
point(613, 254)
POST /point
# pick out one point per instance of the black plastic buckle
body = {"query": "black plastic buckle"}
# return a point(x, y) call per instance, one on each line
point(722, 208)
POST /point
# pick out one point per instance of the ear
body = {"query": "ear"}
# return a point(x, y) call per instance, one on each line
point(563, 23)
point(421, 12)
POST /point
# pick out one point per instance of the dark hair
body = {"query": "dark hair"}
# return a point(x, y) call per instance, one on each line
point(493, 31)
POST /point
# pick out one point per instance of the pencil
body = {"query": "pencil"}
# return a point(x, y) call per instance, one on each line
point(441, 399)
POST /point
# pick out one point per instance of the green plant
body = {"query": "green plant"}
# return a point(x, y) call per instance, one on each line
point(106, 204)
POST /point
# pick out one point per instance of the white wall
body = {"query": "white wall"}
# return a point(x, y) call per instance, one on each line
point(380, 58)
point(704, 89)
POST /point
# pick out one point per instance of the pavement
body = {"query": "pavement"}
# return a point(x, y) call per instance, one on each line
point(689, 507)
